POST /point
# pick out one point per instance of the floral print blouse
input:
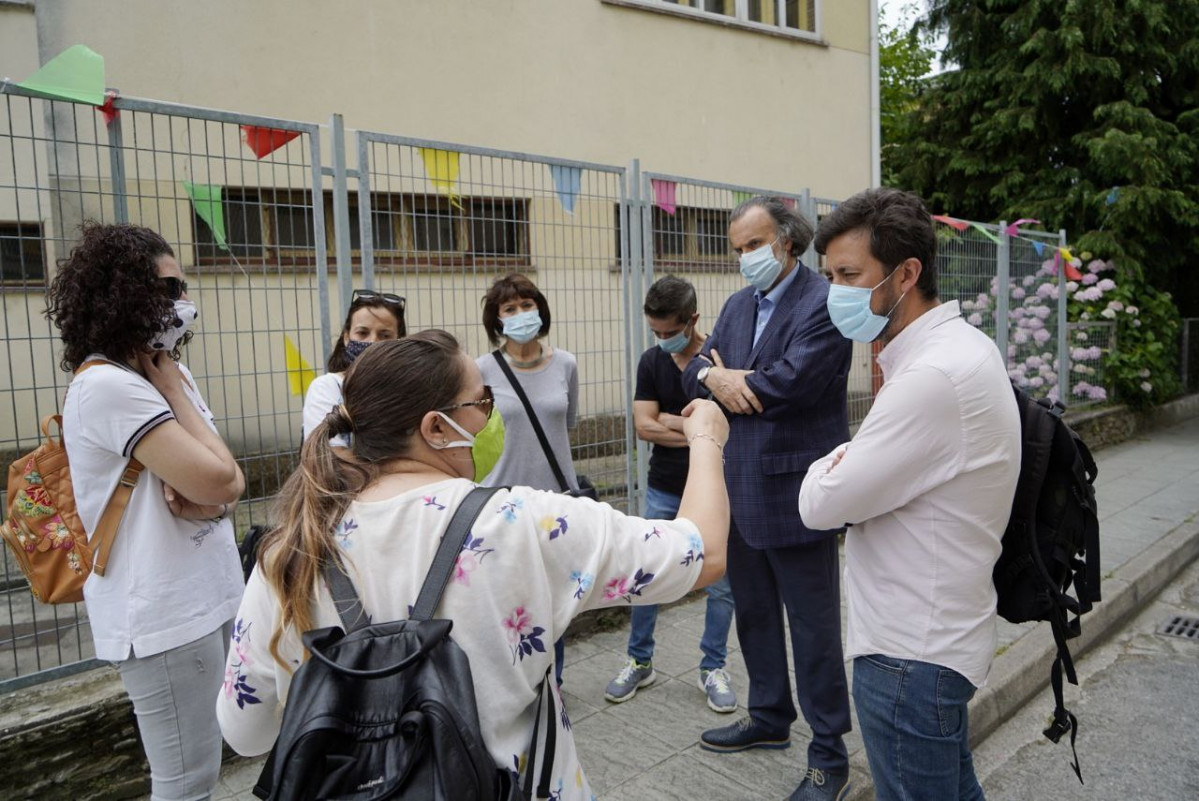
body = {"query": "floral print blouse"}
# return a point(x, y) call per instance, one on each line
point(534, 560)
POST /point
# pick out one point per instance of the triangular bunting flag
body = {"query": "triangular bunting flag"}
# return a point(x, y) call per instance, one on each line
point(664, 195)
point(109, 110)
point(1038, 246)
point(206, 200)
point(957, 225)
point(1113, 196)
point(299, 373)
point(76, 73)
point(442, 168)
point(741, 197)
point(789, 202)
point(264, 141)
point(567, 181)
point(982, 229)
point(1011, 229)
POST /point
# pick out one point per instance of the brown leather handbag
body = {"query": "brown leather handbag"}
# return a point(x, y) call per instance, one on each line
point(41, 527)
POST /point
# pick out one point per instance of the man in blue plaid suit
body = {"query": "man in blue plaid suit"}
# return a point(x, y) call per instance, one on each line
point(778, 366)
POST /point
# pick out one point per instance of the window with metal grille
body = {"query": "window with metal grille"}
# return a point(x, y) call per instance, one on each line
point(792, 16)
point(22, 253)
point(691, 239)
point(406, 228)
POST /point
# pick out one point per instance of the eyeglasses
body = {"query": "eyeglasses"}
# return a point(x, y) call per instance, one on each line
point(386, 297)
point(487, 400)
point(175, 286)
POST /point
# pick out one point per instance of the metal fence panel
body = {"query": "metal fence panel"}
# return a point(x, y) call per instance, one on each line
point(251, 240)
point(438, 222)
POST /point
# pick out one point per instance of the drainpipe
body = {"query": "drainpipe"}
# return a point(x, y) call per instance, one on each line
point(876, 169)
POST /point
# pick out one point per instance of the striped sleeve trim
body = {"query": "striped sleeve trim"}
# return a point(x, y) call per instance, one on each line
point(146, 428)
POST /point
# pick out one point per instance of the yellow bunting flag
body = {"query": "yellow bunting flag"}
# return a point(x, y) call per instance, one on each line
point(442, 168)
point(299, 373)
point(1066, 254)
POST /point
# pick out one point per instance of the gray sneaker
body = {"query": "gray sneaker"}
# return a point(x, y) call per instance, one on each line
point(631, 677)
point(715, 684)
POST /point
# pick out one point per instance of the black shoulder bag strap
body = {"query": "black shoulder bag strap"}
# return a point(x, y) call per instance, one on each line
point(545, 443)
point(353, 615)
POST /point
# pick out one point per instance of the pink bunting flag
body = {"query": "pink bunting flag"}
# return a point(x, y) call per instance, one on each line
point(958, 225)
point(789, 202)
point(664, 195)
point(1011, 229)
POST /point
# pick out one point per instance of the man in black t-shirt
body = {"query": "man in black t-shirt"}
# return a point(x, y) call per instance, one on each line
point(670, 311)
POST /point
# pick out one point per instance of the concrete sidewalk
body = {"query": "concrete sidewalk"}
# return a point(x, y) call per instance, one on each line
point(648, 748)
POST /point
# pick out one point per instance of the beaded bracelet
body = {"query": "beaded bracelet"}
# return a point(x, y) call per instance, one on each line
point(718, 443)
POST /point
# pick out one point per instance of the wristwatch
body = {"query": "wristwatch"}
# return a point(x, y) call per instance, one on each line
point(703, 374)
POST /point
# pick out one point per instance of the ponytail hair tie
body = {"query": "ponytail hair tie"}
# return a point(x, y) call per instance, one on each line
point(339, 421)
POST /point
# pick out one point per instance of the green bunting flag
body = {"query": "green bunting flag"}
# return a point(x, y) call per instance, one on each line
point(76, 73)
point(206, 199)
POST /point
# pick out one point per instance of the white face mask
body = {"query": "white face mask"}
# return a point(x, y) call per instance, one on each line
point(185, 315)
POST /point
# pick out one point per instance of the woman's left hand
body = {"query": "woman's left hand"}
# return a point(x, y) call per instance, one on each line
point(189, 510)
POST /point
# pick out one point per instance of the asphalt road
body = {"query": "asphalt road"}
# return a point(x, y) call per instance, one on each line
point(1138, 711)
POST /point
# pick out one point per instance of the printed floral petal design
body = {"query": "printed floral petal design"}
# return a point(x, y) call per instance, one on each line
point(654, 532)
point(465, 565)
point(431, 500)
point(235, 674)
point(555, 527)
point(509, 509)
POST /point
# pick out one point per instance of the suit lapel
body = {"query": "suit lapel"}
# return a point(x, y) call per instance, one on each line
point(781, 311)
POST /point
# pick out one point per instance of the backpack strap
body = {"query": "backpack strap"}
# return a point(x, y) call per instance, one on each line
point(1063, 719)
point(110, 520)
point(551, 737)
point(545, 443)
point(452, 541)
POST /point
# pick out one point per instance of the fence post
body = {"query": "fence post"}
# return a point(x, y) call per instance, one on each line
point(341, 213)
point(632, 236)
point(116, 161)
point(1063, 352)
point(1003, 271)
point(318, 233)
point(808, 209)
point(1185, 356)
point(366, 221)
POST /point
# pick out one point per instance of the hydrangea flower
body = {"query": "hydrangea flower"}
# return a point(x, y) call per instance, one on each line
point(1108, 314)
point(1041, 312)
point(1018, 293)
point(1095, 266)
point(1107, 285)
point(976, 319)
point(1041, 336)
point(1145, 373)
point(1082, 388)
point(1097, 394)
point(1146, 387)
point(1133, 310)
point(1089, 278)
point(1116, 305)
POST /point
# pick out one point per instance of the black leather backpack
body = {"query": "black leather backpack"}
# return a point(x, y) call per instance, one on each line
point(387, 710)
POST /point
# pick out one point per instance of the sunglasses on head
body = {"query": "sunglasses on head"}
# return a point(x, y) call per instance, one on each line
point(175, 287)
point(386, 297)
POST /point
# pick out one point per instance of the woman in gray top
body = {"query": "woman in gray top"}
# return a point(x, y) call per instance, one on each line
point(517, 319)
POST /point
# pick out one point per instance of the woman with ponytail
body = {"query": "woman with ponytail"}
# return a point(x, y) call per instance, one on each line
point(424, 429)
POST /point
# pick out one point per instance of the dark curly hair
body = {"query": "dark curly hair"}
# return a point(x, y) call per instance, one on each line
point(106, 297)
point(339, 361)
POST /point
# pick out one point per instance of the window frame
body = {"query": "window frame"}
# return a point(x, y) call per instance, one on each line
point(23, 232)
point(740, 18)
point(398, 208)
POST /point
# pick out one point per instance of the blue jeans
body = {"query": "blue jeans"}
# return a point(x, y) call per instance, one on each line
point(719, 617)
point(914, 725)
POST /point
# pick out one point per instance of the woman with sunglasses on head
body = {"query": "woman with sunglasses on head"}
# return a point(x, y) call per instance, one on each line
point(373, 317)
point(162, 612)
point(424, 431)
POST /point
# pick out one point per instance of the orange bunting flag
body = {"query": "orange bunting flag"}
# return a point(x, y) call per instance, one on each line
point(957, 225)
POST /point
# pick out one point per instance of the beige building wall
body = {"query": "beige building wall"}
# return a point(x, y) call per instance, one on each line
point(579, 79)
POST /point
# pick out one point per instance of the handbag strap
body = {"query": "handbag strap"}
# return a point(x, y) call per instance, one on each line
point(110, 520)
point(545, 443)
point(347, 601)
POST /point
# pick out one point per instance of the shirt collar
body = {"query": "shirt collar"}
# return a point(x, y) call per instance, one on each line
point(781, 287)
point(908, 340)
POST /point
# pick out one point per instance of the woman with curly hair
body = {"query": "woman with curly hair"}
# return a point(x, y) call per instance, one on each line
point(162, 611)
point(373, 317)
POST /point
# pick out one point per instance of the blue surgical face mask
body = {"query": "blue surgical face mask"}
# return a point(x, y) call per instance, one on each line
point(849, 308)
point(522, 327)
point(760, 267)
point(676, 343)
